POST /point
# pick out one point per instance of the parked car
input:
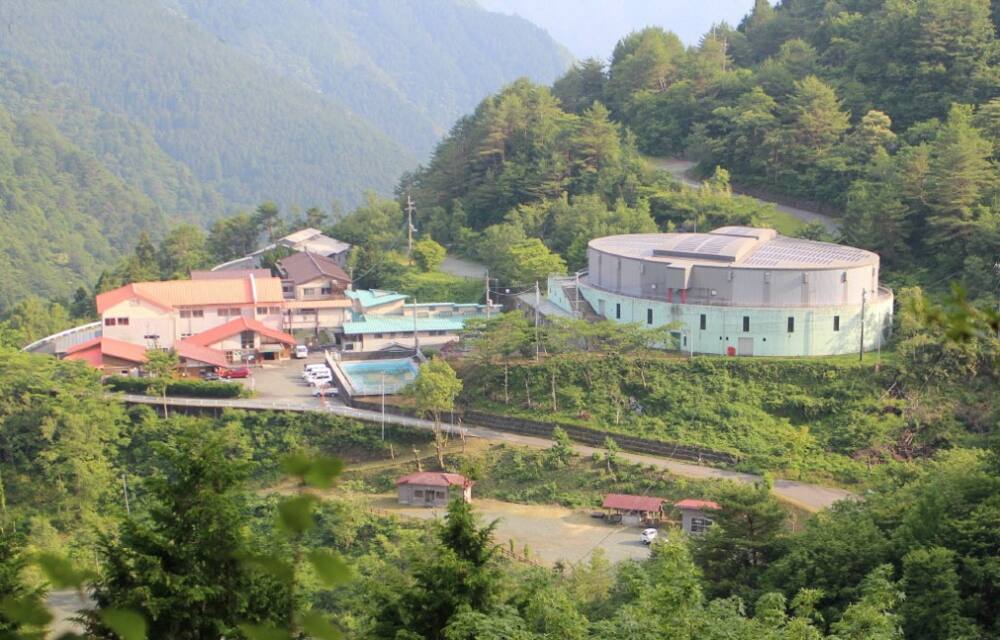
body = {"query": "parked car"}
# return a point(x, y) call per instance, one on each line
point(238, 372)
point(209, 375)
point(325, 392)
point(647, 536)
point(312, 369)
point(320, 381)
point(301, 351)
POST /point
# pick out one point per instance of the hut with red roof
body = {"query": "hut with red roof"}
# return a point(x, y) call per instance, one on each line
point(695, 514)
point(433, 488)
point(633, 510)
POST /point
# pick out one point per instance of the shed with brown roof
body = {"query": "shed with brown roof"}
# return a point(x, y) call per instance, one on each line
point(633, 510)
point(433, 488)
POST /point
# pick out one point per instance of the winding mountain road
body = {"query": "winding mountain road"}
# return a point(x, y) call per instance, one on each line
point(803, 495)
point(680, 169)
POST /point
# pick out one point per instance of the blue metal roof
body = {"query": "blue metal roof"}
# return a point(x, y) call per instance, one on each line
point(402, 324)
point(374, 297)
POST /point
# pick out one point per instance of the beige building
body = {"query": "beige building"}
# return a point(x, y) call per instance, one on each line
point(433, 488)
point(210, 322)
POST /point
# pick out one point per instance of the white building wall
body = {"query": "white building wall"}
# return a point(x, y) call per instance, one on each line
point(813, 333)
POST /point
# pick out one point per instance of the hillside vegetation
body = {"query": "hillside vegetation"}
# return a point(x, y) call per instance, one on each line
point(63, 215)
point(410, 68)
point(882, 112)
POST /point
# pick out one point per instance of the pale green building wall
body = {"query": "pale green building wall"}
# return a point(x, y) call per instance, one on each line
point(813, 333)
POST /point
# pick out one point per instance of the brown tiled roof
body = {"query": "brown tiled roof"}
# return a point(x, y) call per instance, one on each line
point(305, 267)
point(632, 503)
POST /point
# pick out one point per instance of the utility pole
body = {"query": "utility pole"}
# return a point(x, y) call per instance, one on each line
point(576, 294)
point(383, 406)
point(410, 208)
point(487, 294)
point(416, 338)
point(861, 347)
point(538, 302)
point(128, 510)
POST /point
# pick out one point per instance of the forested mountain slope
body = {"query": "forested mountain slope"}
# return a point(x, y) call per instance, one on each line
point(410, 68)
point(124, 147)
point(248, 133)
point(62, 213)
point(302, 103)
point(885, 113)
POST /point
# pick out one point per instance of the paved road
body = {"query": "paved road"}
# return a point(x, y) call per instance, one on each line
point(679, 169)
point(806, 496)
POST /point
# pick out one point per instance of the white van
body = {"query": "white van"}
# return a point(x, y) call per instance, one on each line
point(301, 351)
point(316, 367)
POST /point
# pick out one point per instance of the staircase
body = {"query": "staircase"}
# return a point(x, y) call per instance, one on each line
point(579, 305)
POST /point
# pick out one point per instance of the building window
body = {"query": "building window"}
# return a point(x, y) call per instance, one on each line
point(649, 316)
point(836, 323)
point(326, 291)
point(185, 314)
point(247, 339)
point(123, 322)
point(378, 336)
point(746, 323)
point(197, 313)
point(109, 322)
point(275, 310)
point(618, 311)
point(234, 312)
point(310, 291)
point(223, 312)
point(262, 311)
point(700, 525)
point(418, 493)
point(791, 324)
point(702, 322)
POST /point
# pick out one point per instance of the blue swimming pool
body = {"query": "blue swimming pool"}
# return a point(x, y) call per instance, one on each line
point(368, 376)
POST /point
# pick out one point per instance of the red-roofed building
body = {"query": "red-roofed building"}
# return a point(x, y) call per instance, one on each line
point(694, 519)
point(238, 339)
point(633, 510)
point(160, 314)
point(108, 353)
point(433, 488)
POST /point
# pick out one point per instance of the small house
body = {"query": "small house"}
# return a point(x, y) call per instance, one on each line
point(632, 510)
point(695, 515)
point(433, 488)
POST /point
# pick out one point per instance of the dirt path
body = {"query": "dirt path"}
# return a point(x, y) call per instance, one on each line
point(551, 533)
point(679, 169)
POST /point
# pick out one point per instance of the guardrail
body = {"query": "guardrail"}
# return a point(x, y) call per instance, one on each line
point(371, 412)
point(583, 435)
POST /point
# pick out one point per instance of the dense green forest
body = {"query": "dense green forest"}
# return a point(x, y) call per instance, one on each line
point(302, 105)
point(408, 68)
point(63, 215)
point(883, 112)
point(206, 107)
point(915, 559)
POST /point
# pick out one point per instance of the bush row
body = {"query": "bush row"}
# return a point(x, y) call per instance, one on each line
point(189, 388)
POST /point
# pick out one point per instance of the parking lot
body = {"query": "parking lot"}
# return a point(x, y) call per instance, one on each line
point(283, 380)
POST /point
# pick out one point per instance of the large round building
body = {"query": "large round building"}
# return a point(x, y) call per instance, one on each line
point(737, 291)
